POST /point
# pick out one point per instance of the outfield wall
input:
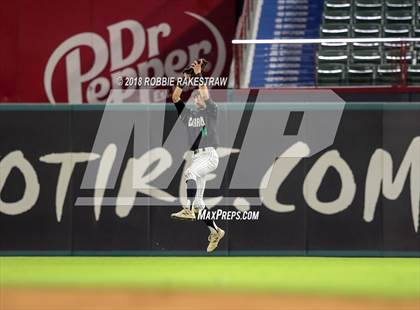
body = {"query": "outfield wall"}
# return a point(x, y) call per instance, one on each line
point(367, 202)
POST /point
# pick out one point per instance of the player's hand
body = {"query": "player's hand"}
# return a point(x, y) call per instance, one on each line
point(196, 67)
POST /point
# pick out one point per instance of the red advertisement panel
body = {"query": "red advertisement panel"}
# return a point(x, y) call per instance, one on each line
point(75, 50)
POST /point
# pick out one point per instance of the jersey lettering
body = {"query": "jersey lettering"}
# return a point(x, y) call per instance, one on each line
point(196, 122)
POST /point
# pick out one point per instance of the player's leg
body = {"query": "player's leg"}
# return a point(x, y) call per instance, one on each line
point(199, 205)
point(206, 164)
point(195, 177)
point(210, 163)
point(187, 212)
point(191, 175)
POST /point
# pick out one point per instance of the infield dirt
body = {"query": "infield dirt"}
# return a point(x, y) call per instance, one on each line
point(130, 299)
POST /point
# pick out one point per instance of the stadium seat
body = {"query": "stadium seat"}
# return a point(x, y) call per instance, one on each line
point(366, 30)
point(368, 16)
point(388, 74)
point(368, 4)
point(337, 4)
point(370, 62)
point(399, 4)
point(416, 57)
point(335, 31)
point(416, 33)
point(330, 74)
point(397, 30)
point(337, 16)
point(399, 16)
point(366, 57)
point(361, 30)
point(360, 74)
point(332, 56)
point(416, 30)
point(396, 56)
point(413, 74)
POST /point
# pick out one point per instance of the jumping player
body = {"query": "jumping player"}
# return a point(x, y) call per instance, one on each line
point(202, 134)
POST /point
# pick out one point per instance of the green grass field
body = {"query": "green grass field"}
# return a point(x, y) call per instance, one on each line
point(373, 277)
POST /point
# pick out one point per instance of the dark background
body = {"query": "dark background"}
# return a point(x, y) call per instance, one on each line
point(150, 231)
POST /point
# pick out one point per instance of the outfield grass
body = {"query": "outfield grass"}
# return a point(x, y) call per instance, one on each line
point(381, 277)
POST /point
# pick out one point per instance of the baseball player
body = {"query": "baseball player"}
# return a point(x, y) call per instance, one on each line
point(202, 134)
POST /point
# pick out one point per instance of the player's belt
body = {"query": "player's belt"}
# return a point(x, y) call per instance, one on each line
point(203, 149)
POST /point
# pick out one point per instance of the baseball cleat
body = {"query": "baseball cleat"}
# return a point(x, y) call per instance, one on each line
point(214, 239)
point(184, 214)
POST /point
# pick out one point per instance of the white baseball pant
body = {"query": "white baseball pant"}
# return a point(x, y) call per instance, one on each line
point(203, 163)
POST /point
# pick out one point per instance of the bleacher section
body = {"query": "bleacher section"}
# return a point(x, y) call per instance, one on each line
point(286, 65)
point(369, 63)
point(363, 63)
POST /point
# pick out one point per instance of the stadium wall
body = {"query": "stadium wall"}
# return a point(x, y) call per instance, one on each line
point(373, 165)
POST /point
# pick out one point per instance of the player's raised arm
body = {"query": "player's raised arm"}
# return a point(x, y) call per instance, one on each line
point(204, 92)
point(183, 111)
point(211, 107)
point(176, 99)
point(176, 95)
